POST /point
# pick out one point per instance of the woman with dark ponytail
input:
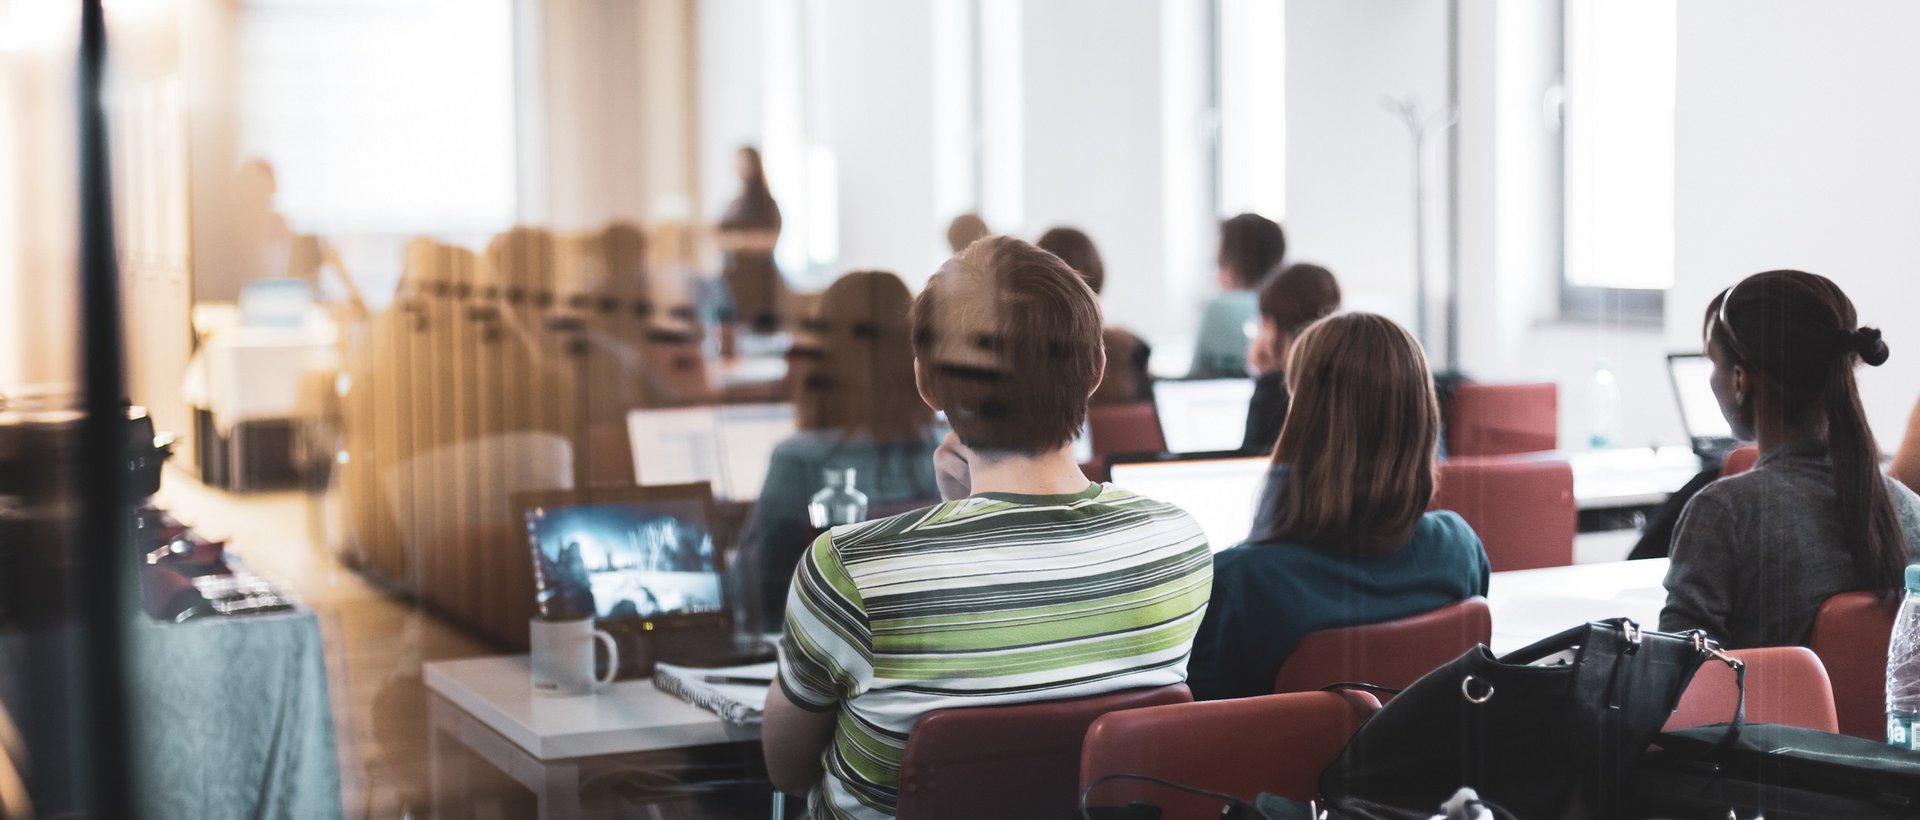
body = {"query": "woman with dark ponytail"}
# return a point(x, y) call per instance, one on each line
point(1756, 554)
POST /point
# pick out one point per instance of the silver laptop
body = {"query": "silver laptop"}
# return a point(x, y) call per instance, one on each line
point(1204, 416)
point(1219, 492)
point(1707, 429)
point(726, 445)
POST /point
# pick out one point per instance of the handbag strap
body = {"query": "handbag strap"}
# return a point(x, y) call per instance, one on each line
point(1370, 688)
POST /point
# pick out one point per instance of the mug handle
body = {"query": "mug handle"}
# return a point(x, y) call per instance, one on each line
point(613, 656)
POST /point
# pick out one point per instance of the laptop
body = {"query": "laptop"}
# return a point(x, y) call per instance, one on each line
point(1203, 416)
point(727, 445)
point(1220, 490)
point(1707, 429)
point(641, 561)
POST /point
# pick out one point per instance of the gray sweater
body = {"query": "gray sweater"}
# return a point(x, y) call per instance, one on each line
point(1756, 554)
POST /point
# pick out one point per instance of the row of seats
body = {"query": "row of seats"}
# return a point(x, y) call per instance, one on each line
point(983, 761)
point(1036, 759)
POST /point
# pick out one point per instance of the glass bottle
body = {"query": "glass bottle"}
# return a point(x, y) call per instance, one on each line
point(838, 502)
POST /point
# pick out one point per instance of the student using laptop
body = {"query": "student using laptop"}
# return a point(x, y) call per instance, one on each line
point(855, 408)
point(1126, 380)
point(1251, 247)
point(1028, 584)
point(1756, 554)
point(1299, 296)
point(1342, 536)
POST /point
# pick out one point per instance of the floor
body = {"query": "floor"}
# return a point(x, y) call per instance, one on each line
point(375, 641)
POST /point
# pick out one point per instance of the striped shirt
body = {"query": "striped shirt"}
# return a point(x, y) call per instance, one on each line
point(988, 600)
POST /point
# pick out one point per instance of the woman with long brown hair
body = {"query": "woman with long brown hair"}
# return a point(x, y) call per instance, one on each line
point(1342, 536)
point(1755, 554)
point(857, 408)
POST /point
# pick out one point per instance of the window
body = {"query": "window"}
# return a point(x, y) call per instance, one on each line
point(1618, 152)
point(1251, 100)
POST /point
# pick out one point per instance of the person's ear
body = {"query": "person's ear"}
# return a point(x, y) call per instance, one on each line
point(1101, 374)
point(1740, 386)
point(920, 384)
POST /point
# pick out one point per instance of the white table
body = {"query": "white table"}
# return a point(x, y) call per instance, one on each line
point(488, 706)
point(1530, 604)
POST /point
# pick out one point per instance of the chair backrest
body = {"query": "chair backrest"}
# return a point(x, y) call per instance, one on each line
point(1008, 761)
point(1124, 428)
point(1393, 654)
point(1272, 743)
point(1523, 510)
point(1503, 419)
point(1740, 460)
point(1785, 684)
point(1850, 634)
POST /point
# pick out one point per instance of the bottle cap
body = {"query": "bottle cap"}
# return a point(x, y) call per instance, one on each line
point(1913, 577)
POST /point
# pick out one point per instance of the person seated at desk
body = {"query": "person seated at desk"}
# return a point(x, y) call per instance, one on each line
point(1756, 554)
point(1298, 297)
point(1342, 536)
point(1251, 247)
point(1126, 380)
point(856, 407)
point(1029, 583)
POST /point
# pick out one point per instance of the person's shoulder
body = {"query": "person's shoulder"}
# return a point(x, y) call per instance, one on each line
point(1906, 503)
point(804, 444)
point(1444, 527)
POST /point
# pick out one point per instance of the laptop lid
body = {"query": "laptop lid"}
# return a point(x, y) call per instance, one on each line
point(729, 446)
point(1203, 416)
point(1707, 428)
point(1220, 490)
point(634, 558)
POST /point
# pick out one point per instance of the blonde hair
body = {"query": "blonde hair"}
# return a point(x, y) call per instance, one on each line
point(1358, 440)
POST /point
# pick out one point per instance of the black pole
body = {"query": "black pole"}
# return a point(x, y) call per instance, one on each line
point(102, 548)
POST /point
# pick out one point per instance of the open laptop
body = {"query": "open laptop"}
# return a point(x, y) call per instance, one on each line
point(1220, 490)
point(642, 562)
point(1203, 416)
point(728, 445)
point(1707, 428)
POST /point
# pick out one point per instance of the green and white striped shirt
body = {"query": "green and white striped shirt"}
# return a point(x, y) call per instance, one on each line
point(988, 600)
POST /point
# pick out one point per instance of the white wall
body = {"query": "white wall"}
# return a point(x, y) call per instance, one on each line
point(1349, 161)
point(1797, 127)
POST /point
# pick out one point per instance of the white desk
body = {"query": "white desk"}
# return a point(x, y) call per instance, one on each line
point(1531, 604)
point(488, 706)
point(1629, 477)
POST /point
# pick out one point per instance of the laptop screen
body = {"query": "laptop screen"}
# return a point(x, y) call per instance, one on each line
point(1203, 416)
point(727, 445)
point(627, 558)
point(1699, 410)
point(1220, 493)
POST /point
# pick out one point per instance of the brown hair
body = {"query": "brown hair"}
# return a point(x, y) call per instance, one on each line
point(965, 230)
point(859, 368)
point(1251, 246)
point(1008, 341)
point(1799, 335)
point(1299, 296)
point(1075, 248)
point(1358, 440)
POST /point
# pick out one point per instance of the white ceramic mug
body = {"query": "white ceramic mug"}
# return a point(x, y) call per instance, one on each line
point(563, 657)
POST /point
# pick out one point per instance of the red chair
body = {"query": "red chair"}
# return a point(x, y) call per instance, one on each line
point(1124, 428)
point(1740, 460)
point(1785, 684)
point(1272, 743)
point(1850, 634)
point(1008, 761)
point(1523, 510)
point(1503, 419)
point(1392, 654)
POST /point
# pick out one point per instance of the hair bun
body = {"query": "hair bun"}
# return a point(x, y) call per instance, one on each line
point(1866, 342)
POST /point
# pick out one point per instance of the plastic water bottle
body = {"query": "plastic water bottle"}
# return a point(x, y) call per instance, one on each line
point(1903, 669)
point(1604, 403)
point(838, 503)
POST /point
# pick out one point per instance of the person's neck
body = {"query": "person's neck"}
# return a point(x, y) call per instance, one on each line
point(1773, 433)
point(1054, 473)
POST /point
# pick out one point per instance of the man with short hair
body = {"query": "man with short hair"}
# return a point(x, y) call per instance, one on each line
point(1029, 583)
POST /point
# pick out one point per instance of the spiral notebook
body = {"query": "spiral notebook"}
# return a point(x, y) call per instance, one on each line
point(737, 703)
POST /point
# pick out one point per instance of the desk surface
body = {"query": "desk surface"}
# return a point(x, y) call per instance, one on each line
point(629, 716)
point(1531, 604)
point(1629, 477)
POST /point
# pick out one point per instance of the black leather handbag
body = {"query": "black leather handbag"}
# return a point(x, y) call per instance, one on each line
point(1550, 731)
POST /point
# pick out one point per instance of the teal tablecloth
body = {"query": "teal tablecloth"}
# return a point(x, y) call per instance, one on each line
point(232, 719)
